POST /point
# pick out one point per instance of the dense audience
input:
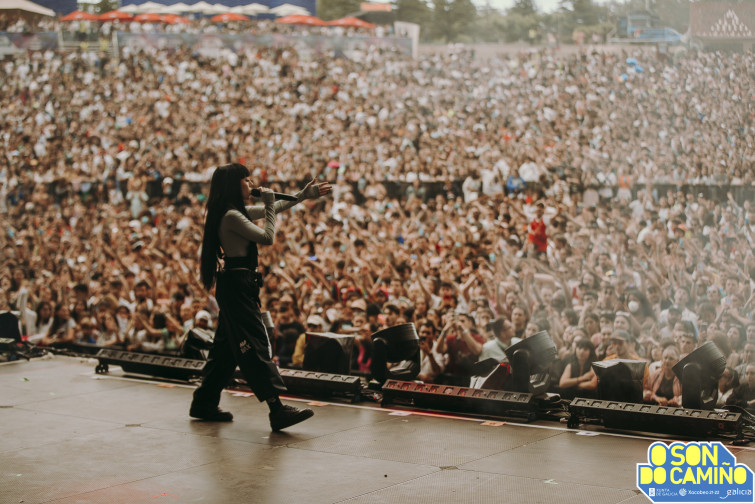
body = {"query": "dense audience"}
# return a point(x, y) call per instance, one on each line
point(484, 201)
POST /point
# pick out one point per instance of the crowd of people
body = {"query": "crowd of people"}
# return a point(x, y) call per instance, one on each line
point(194, 23)
point(545, 212)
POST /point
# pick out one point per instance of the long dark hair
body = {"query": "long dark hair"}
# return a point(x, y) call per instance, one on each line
point(587, 345)
point(225, 194)
point(41, 305)
point(57, 322)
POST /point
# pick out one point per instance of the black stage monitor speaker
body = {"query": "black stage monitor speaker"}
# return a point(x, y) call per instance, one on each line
point(165, 366)
point(9, 328)
point(398, 345)
point(11, 342)
point(14, 349)
point(620, 379)
point(699, 373)
point(197, 343)
point(316, 384)
point(328, 353)
point(530, 361)
point(700, 424)
point(498, 403)
point(490, 374)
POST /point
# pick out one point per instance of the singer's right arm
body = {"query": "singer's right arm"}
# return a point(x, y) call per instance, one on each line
point(311, 191)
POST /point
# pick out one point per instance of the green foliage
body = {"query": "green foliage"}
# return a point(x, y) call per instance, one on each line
point(523, 8)
point(464, 13)
point(329, 10)
point(451, 19)
point(673, 13)
point(602, 30)
point(583, 12)
point(461, 21)
point(490, 25)
point(517, 27)
point(414, 11)
point(582, 16)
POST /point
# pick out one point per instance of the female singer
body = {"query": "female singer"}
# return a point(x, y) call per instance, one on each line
point(241, 338)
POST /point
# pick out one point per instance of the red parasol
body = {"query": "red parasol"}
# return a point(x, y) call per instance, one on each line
point(115, 15)
point(148, 17)
point(80, 16)
point(174, 19)
point(301, 19)
point(351, 22)
point(227, 17)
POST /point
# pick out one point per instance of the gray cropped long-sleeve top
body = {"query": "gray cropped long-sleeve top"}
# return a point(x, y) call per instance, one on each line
point(236, 231)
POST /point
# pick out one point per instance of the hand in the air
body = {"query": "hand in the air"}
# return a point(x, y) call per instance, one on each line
point(314, 189)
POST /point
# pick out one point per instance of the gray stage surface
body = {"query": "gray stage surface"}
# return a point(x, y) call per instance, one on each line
point(68, 435)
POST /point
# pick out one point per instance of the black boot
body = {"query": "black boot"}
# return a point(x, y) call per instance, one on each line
point(286, 416)
point(210, 414)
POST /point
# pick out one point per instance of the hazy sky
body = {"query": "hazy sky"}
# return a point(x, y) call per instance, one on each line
point(542, 5)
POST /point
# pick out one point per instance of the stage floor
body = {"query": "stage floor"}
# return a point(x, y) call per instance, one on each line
point(72, 436)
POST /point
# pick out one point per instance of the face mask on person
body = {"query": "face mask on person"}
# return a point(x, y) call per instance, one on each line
point(634, 306)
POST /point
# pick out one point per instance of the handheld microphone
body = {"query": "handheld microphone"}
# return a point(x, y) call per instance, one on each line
point(278, 196)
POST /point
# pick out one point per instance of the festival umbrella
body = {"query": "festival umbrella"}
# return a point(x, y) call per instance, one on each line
point(149, 17)
point(351, 22)
point(299, 19)
point(250, 10)
point(150, 7)
point(24, 7)
point(173, 19)
point(289, 10)
point(200, 7)
point(216, 9)
point(115, 15)
point(228, 17)
point(176, 8)
point(80, 16)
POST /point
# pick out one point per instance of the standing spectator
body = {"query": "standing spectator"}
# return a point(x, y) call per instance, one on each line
point(432, 362)
point(87, 332)
point(685, 337)
point(537, 236)
point(42, 323)
point(63, 328)
point(747, 358)
point(577, 378)
point(514, 183)
point(463, 346)
point(663, 387)
point(503, 332)
point(744, 395)
point(726, 384)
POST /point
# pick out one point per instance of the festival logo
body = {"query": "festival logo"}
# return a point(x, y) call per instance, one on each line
point(694, 472)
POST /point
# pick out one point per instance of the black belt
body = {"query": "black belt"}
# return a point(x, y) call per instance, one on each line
point(256, 277)
point(232, 263)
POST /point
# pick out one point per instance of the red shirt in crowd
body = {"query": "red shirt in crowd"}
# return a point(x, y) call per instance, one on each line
point(537, 234)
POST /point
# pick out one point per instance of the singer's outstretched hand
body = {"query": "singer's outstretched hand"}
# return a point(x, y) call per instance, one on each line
point(315, 189)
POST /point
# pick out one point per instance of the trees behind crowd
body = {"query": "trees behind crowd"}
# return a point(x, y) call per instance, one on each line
point(465, 21)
